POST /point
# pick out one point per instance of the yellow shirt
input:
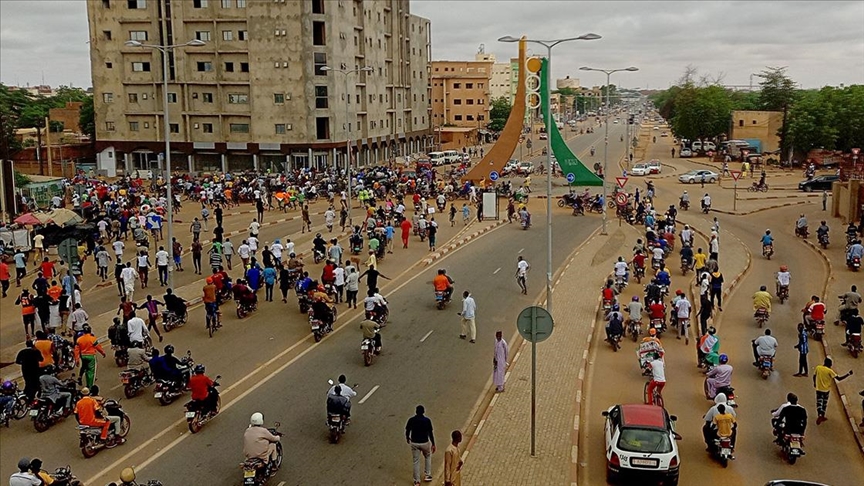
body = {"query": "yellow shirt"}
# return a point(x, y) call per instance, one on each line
point(699, 260)
point(724, 424)
point(824, 378)
point(762, 300)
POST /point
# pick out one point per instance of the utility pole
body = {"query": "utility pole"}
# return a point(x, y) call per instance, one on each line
point(39, 149)
point(48, 146)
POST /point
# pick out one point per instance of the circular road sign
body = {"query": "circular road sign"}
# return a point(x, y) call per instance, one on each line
point(541, 321)
point(621, 198)
point(571, 178)
point(493, 176)
point(596, 165)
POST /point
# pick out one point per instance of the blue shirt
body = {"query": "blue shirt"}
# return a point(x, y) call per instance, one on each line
point(270, 275)
point(20, 261)
point(68, 284)
point(767, 240)
point(663, 278)
point(389, 231)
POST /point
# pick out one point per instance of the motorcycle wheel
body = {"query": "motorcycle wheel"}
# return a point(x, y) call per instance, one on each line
point(41, 422)
point(765, 374)
point(164, 400)
point(195, 424)
point(367, 357)
point(317, 336)
point(88, 450)
point(817, 336)
point(125, 426)
point(560, 203)
point(334, 435)
point(440, 305)
point(792, 459)
point(129, 391)
point(20, 408)
point(166, 327)
point(724, 461)
point(240, 314)
point(121, 361)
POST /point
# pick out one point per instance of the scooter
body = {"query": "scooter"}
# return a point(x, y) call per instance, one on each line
point(90, 441)
point(135, 381)
point(196, 417)
point(255, 471)
point(761, 316)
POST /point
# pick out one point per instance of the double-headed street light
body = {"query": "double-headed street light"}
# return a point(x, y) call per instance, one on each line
point(167, 131)
point(549, 44)
point(606, 137)
point(346, 72)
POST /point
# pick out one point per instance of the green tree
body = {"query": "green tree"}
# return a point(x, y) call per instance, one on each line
point(87, 119)
point(778, 93)
point(21, 180)
point(499, 114)
point(701, 112)
point(811, 121)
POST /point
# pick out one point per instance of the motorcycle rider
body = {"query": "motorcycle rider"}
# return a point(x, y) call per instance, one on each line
point(52, 389)
point(24, 477)
point(442, 282)
point(621, 270)
point(783, 278)
point(709, 344)
point(856, 250)
point(657, 255)
point(682, 315)
point(801, 225)
point(719, 376)
point(850, 300)
point(638, 261)
point(723, 423)
point(259, 442)
point(708, 431)
point(765, 345)
point(615, 326)
point(851, 232)
point(634, 308)
point(204, 394)
point(337, 404)
point(767, 241)
point(663, 277)
point(319, 245)
point(86, 411)
point(706, 201)
point(822, 230)
point(762, 300)
point(174, 304)
point(322, 305)
point(815, 311)
point(168, 367)
point(347, 391)
point(684, 199)
point(687, 255)
point(789, 418)
point(138, 358)
point(137, 330)
point(853, 325)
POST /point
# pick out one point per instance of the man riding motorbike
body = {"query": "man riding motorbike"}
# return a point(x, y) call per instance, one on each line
point(720, 376)
point(684, 200)
point(789, 418)
point(801, 226)
point(174, 304)
point(615, 325)
point(708, 431)
point(767, 242)
point(856, 250)
point(822, 230)
point(762, 300)
point(687, 255)
point(87, 413)
point(322, 306)
point(663, 277)
point(370, 331)
point(204, 394)
point(709, 345)
point(259, 442)
point(783, 278)
point(443, 283)
point(338, 404)
point(815, 311)
point(765, 345)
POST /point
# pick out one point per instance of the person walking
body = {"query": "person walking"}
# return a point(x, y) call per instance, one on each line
point(28, 312)
point(372, 277)
point(162, 261)
point(406, 226)
point(803, 348)
point(270, 278)
point(5, 277)
point(823, 378)
point(824, 200)
point(469, 310)
point(228, 251)
point(29, 359)
point(418, 433)
point(20, 266)
point(195, 227)
point(197, 248)
point(85, 355)
point(499, 361)
point(128, 277)
point(177, 252)
point(352, 286)
point(453, 461)
point(522, 273)
point(717, 289)
point(307, 222)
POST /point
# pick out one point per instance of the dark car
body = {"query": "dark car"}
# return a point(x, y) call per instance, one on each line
point(792, 482)
point(820, 183)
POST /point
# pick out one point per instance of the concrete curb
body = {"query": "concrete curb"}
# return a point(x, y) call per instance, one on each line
point(805, 195)
point(462, 241)
point(826, 348)
point(746, 213)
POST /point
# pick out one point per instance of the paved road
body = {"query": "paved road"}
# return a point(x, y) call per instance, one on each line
point(832, 455)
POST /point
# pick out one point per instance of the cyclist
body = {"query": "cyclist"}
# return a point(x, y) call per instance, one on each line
point(658, 379)
point(210, 303)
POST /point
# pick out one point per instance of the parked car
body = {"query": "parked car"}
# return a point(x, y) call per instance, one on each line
point(695, 176)
point(686, 152)
point(525, 168)
point(664, 134)
point(696, 145)
point(654, 166)
point(510, 167)
point(819, 183)
point(641, 443)
point(656, 128)
point(543, 136)
point(707, 145)
point(640, 170)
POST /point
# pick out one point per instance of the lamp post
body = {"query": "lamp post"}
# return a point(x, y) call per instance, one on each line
point(606, 136)
point(346, 72)
point(167, 132)
point(549, 44)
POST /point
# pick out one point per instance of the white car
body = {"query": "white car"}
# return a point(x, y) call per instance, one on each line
point(686, 152)
point(654, 166)
point(640, 170)
point(698, 175)
point(641, 443)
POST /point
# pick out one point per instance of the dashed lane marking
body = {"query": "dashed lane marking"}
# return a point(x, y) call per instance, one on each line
point(496, 271)
point(366, 397)
point(427, 335)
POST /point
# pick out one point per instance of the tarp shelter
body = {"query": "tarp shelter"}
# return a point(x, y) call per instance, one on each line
point(60, 217)
point(570, 164)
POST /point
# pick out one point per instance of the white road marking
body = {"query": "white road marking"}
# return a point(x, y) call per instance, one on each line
point(496, 271)
point(116, 387)
point(282, 483)
point(427, 335)
point(373, 390)
point(520, 251)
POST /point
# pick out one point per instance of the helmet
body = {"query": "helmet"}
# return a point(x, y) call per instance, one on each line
point(652, 331)
point(292, 255)
point(8, 386)
point(635, 298)
point(321, 288)
point(86, 328)
point(199, 369)
point(127, 475)
point(257, 419)
point(209, 280)
point(724, 359)
point(783, 268)
point(615, 307)
point(169, 349)
point(679, 292)
point(712, 330)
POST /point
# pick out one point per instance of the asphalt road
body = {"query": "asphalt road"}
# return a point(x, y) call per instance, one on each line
point(832, 456)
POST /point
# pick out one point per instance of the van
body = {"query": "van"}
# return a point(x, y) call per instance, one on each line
point(708, 145)
point(452, 157)
point(696, 146)
point(437, 158)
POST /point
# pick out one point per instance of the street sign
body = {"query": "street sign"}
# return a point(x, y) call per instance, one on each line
point(493, 176)
point(622, 181)
point(735, 174)
point(571, 178)
point(534, 324)
point(621, 198)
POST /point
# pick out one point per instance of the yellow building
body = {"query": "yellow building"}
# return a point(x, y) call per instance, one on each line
point(761, 125)
point(460, 93)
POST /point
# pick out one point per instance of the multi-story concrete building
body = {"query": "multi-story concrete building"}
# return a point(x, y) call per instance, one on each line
point(460, 93)
point(255, 95)
point(500, 85)
point(567, 83)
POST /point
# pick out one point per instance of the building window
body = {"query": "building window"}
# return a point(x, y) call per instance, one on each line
point(320, 61)
point(203, 35)
point(139, 67)
point(226, 3)
point(469, 117)
point(207, 97)
point(481, 101)
point(320, 96)
point(280, 128)
point(227, 35)
point(457, 102)
point(174, 127)
point(106, 34)
point(239, 127)
point(136, 4)
point(318, 7)
point(481, 117)
point(241, 3)
point(229, 67)
point(469, 85)
point(172, 97)
point(207, 127)
point(137, 35)
point(457, 117)
point(108, 97)
point(133, 126)
point(146, 125)
point(238, 99)
point(480, 85)
point(109, 126)
point(109, 65)
point(318, 34)
point(106, 3)
point(244, 67)
point(469, 101)
point(754, 122)
point(242, 35)
point(133, 97)
point(457, 85)
point(278, 98)
point(199, 3)
point(740, 123)
point(205, 66)
point(322, 128)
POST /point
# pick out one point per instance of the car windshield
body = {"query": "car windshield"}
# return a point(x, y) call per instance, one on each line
point(644, 440)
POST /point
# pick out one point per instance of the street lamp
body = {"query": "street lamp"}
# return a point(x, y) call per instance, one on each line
point(549, 44)
point(346, 72)
point(167, 131)
point(606, 136)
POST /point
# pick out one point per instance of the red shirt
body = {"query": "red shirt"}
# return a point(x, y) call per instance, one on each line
point(608, 294)
point(200, 386)
point(817, 311)
point(656, 311)
point(4, 271)
point(47, 269)
point(639, 260)
point(406, 227)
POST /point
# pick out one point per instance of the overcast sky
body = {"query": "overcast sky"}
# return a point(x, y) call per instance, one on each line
point(822, 43)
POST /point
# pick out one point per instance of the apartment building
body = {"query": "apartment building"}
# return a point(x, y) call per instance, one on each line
point(255, 95)
point(460, 93)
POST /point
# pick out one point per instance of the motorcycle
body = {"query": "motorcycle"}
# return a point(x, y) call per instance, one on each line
point(135, 381)
point(634, 328)
point(441, 299)
point(171, 320)
point(256, 472)
point(244, 309)
point(317, 255)
point(303, 300)
point(615, 341)
point(336, 425)
point(380, 316)
point(756, 187)
point(568, 199)
point(196, 417)
point(684, 205)
point(620, 283)
point(783, 293)
point(356, 244)
point(367, 347)
point(726, 390)
point(639, 274)
point(802, 232)
point(659, 325)
point(64, 359)
point(706, 208)
point(761, 316)
point(46, 413)
point(319, 328)
point(816, 328)
point(63, 476)
point(792, 446)
point(723, 450)
point(854, 264)
point(121, 355)
point(166, 391)
point(685, 266)
point(90, 441)
point(607, 306)
point(20, 406)
point(422, 233)
point(766, 366)
point(823, 240)
point(853, 344)
point(767, 251)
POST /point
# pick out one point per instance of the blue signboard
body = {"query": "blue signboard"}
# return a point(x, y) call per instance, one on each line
point(493, 176)
point(571, 177)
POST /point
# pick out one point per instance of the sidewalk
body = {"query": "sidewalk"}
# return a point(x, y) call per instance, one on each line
point(499, 451)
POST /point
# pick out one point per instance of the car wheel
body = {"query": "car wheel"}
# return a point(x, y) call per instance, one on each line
point(692, 180)
point(711, 180)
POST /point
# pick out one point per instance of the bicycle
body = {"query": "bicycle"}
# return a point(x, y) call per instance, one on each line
point(214, 321)
point(658, 398)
